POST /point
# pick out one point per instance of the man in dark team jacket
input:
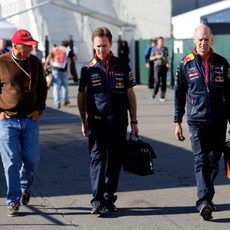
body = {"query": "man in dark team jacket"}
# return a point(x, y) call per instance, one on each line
point(23, 92)
point(106, 95)
point(203, 80)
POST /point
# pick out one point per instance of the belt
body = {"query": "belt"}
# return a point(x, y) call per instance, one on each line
point(17, 116)
point(98, 117)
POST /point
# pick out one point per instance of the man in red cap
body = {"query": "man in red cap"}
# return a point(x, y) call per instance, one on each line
point(23, 93)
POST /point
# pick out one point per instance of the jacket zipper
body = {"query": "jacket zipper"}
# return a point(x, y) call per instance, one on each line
point(207, 85)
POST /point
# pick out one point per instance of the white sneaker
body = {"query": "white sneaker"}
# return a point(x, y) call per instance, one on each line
point(13, 209)
point(162, 99)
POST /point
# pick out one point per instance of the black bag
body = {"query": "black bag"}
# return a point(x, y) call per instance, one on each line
point(138, 157)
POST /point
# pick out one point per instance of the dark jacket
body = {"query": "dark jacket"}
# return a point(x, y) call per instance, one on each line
point(106, 87)
point(205, 84)
point(18, 95)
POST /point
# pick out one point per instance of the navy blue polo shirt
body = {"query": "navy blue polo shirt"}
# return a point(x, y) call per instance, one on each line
point(106, 86)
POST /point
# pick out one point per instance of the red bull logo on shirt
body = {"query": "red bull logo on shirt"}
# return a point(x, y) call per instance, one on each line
point(188, 58)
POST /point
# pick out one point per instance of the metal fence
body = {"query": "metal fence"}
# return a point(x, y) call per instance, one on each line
point(221, 46)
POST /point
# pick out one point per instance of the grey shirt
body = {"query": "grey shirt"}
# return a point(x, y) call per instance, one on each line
point(164, 51)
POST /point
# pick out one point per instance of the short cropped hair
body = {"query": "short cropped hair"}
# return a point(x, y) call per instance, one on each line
point(65, 43)
point(101, 32)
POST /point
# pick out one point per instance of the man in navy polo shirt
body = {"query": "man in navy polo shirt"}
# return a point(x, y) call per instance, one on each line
point(106, 95)
point(203, 80)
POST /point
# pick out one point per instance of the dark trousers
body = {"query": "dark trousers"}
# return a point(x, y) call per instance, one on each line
point(207, 146)
point(151, 75)
point(160, 75)
point(106, 145)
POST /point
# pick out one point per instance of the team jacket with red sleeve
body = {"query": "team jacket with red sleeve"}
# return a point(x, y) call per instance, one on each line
point(106, 86)
point(204, 84)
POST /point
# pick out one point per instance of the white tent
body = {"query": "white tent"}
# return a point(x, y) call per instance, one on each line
point(6, 30)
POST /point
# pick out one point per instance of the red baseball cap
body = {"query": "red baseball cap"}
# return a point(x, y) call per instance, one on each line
point(23, 37)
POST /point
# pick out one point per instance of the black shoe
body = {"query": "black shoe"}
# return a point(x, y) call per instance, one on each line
point(153, 96)
point(13, 209)
point(66, 103)
point(213, 206)
point(25, 198)
point(96, 211)
point(110, 208)
point(206, 212)
point(58, 106)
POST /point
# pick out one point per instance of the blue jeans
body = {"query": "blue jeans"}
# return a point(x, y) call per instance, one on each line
point(60, 79)
point(19, 142)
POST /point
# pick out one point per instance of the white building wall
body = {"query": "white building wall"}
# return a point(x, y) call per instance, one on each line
point(184, 24)
point(12, 6)
point(152, 17)
point(22, 21)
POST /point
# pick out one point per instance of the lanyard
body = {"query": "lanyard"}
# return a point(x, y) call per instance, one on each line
point(28, 74)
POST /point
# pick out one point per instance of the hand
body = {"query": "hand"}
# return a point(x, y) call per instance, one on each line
point(147, 65)
point(84, 130)
point(159, 56)
point(2, 116)
point(167, 66)
point(134, 129)
point(179, 132)
point(35, 115)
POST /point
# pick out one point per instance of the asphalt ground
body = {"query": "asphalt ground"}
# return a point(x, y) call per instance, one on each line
point(61, 192)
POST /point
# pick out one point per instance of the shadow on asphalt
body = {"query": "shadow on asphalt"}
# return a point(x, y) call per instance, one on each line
point(64, 163)
point(128, 211)
point(150, 211)
point(64, 171)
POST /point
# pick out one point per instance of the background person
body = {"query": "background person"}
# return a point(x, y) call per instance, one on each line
point(60, 67)
point(123, 49)
point(73, 69)
point(150, 63)
point(105, 96)
point(3, 48)
point(160, 56)
point(202, 80)
point(37, 52)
